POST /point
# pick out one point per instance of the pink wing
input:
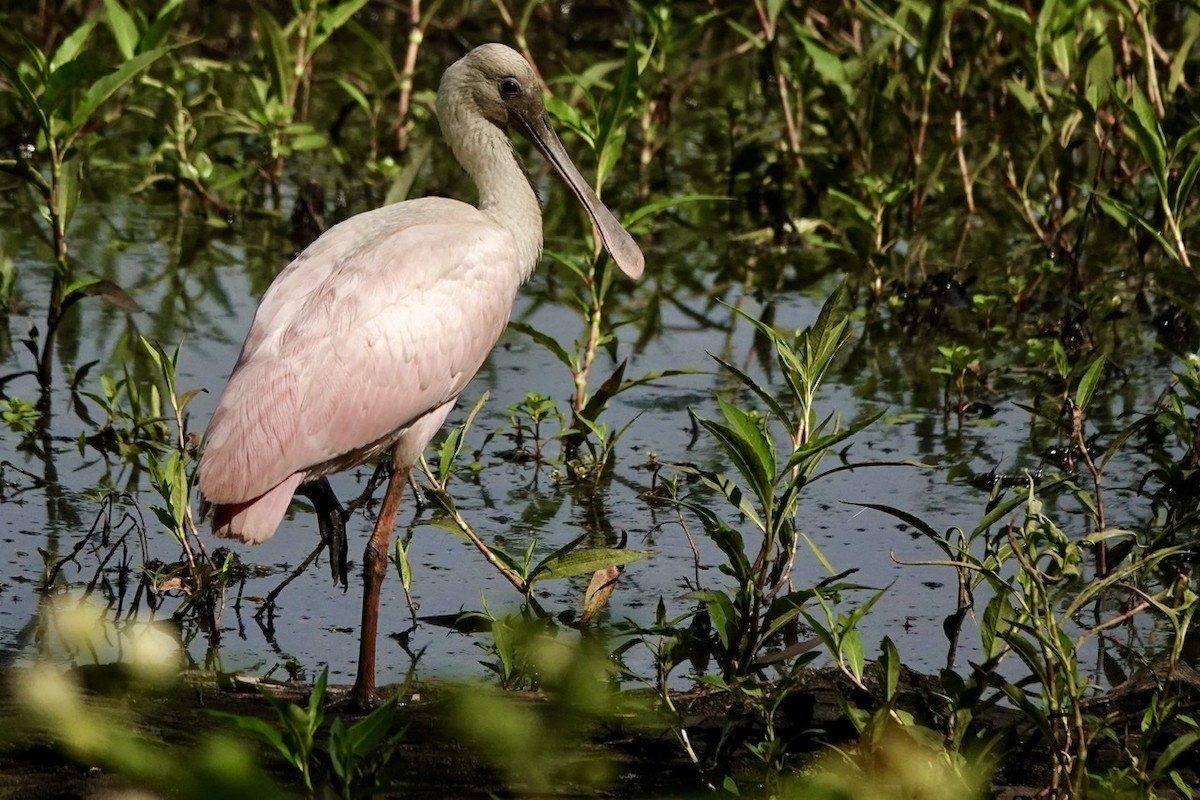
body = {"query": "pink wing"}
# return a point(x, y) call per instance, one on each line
point(383, 320)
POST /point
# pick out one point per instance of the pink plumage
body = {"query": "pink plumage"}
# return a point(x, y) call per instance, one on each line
point(363, 343)
point(381, 322)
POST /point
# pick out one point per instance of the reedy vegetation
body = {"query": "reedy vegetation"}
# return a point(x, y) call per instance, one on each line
point(1009, 190)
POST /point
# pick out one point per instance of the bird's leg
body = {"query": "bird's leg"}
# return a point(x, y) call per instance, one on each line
point(375, 566)
point(331, 519)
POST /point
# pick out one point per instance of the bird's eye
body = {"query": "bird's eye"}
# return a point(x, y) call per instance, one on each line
point(509, 87)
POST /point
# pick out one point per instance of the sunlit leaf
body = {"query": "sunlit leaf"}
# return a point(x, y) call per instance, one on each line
point(72, 45)
point(765, 393)
point(123, 27)
point(1097, 80)
point(1087, 384)
point(851, 650)
point(784, 609)
point(587, 560)
point(403, 565)
point(656, 206)
point(828, 65)
point(722, 612)
point(599, 590)
point(260, 729)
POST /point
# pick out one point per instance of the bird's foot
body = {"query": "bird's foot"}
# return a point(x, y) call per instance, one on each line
point(331, 519)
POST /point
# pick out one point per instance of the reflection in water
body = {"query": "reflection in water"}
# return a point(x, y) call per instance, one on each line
point(198, 278)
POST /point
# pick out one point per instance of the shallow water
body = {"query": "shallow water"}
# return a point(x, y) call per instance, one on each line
point(199, 286)
point(316, 623)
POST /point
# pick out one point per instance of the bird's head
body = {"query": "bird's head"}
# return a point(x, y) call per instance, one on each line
point(497, 84)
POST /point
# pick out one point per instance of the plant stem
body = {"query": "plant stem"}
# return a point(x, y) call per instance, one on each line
point(416, 34)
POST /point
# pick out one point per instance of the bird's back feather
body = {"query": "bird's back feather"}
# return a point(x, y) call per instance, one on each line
point(380, 322)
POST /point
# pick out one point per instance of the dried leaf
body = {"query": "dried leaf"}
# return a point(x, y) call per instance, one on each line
point(601, 587)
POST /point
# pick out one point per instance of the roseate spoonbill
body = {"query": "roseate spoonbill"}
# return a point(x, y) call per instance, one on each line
point(363, 343)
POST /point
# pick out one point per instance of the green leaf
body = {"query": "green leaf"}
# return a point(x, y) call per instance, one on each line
point(451, 446)
point(994, 625)
point(851, 651)
point(1128, 217)
point(920, 525)
point(1183, 189)
point(565, 116)
point(727, 539)
point(63, 84)
point(104, 88)
point(547, 341)
point(620, 107)
point(818, 446)
point(889, 667)
point(784, 609)
point(67, 196)
point(773, 9)
point(1097, 81)
point(362, 737)
point(1148, 134)
point(403, 566)
point(276, 52)
point(157, 31)
point(316, 701)
point(1171, 753)
point(598, 401)
point(355, 93)
point(1011, 15)
point(123, 27)
point(828, 65)
point(331, 20)
point(728, 489)
point(656, 206)
point(721, 611)
point(586, 561)
point(166, 520)
point(765, 394)
point(752, 453)
point(1087, 384)
point(71, 46)
point(340, 752)
point(305, 141)
point(28, 97)
point(260, 729)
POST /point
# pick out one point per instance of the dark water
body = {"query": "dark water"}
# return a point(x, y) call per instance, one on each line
point(512, 503)
point(199, 285)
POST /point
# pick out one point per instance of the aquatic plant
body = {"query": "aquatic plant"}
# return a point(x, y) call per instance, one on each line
point(1005, 189)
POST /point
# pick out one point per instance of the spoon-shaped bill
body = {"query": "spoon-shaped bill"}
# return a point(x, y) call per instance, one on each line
point(617, 241)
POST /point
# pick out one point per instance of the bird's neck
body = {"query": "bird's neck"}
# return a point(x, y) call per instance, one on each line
point(505, 193)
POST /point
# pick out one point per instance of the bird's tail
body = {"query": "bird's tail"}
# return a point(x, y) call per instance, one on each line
point(254, 521)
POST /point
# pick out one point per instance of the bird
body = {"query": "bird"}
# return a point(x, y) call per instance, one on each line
point(362, 344)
